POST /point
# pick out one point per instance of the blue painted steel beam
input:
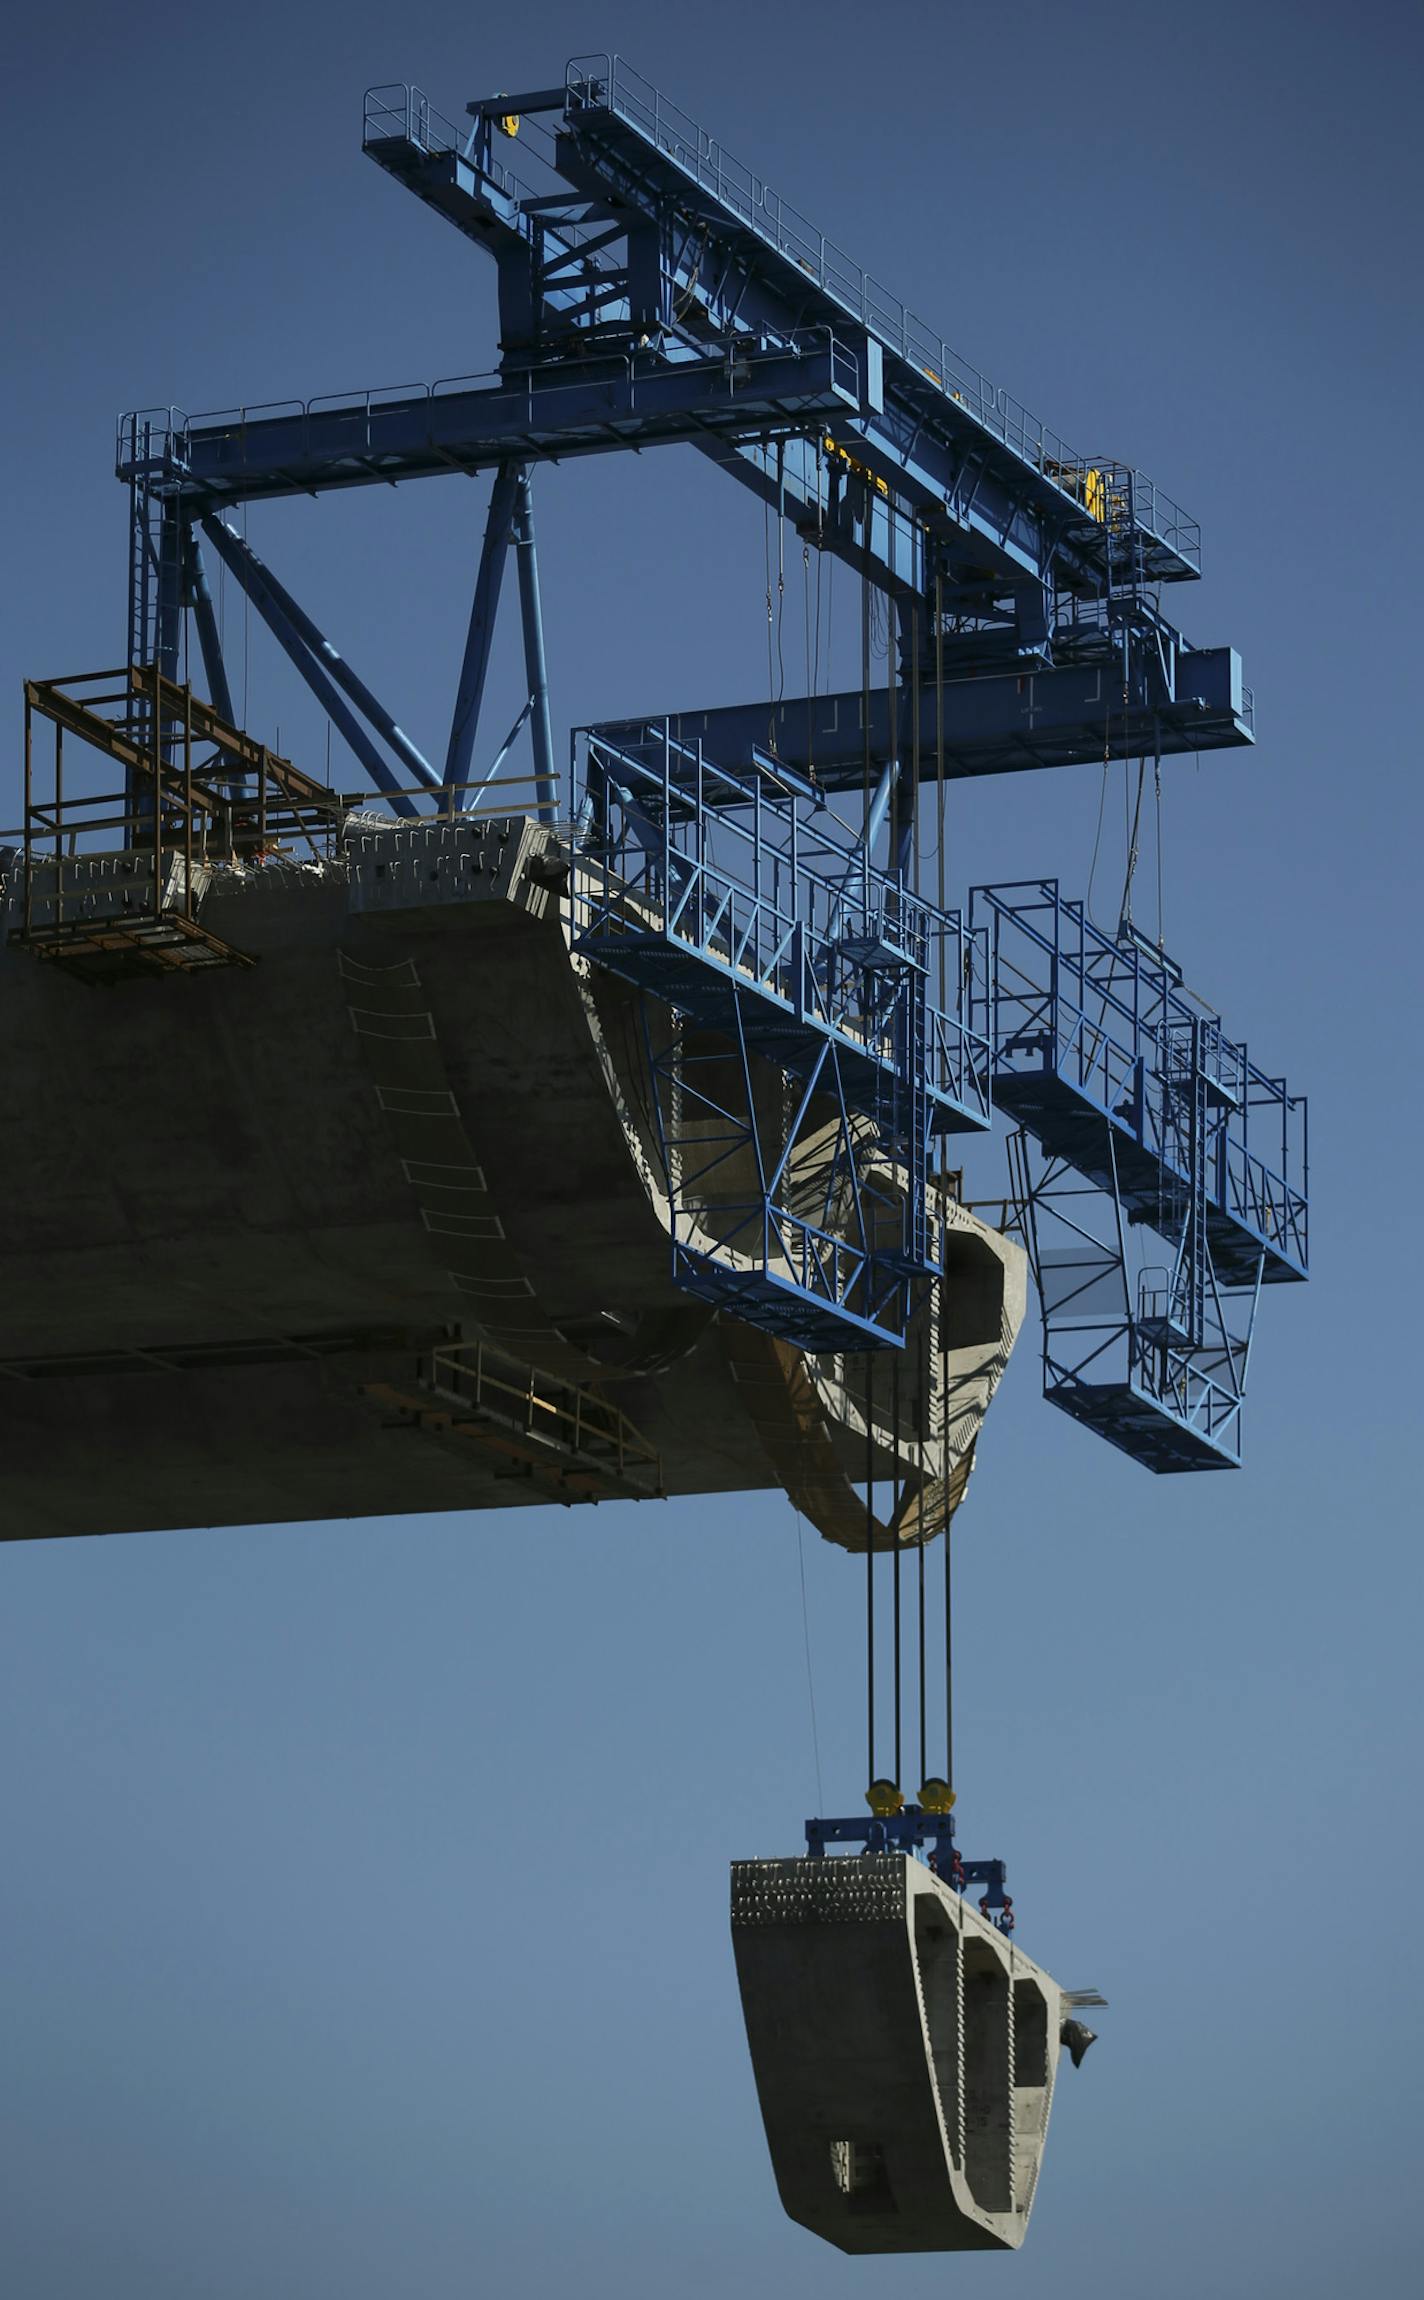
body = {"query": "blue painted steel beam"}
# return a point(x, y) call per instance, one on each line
point(992, 726)
point(469, 698)
point(622, 137)
point(718, 254)
point(332, 661)
point(632, 401)
point(294, 646)
point(209, 643)
point(531, 614)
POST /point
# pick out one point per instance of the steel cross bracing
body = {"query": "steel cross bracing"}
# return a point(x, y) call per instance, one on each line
point(1160, 1178)
point(1100, 1053)
point(748, 908)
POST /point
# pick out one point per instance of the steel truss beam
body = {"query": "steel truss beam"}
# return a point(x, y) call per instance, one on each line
point(710, 252)
point(631, 400)
point(991, 726)
point(1123, 1351)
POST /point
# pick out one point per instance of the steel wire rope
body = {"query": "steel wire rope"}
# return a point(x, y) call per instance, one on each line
point(895, 1494)
point(915, 850)
point(1133, 843)
point(869, 1579)
point(820, 564)
point(937, 1298)
point(948, 1630)
point(892, 731)
point(810, 1673)
point(922, 1417)
point(806, 618)
point(865, 616)
point(1157, 788)
point(780, 571)
point(1098, 833)
point(921, 1402)
point(770, 662)
point(865, 705)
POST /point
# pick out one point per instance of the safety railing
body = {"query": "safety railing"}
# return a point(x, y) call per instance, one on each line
point(398, 113)
point(1174, 1380)
point(777, 895)
point(1099, 1015)
point(164, 448)
point(608, 83)
point(544, 1407)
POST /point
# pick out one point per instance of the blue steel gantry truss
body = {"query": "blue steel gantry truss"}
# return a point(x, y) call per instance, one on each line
point(831, 1029)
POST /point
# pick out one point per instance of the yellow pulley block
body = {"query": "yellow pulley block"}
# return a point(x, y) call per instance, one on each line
point(884, 1799)
point(936, 1796)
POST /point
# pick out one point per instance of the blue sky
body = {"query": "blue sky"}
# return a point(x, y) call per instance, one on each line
point(364, 1901)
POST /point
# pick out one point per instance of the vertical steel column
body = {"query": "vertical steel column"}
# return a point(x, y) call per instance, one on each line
point(532, 617)
point(200, 598)
point(470, 694)
point(172, 589)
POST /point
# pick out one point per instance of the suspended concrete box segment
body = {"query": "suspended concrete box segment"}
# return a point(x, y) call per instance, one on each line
point(905, 2053)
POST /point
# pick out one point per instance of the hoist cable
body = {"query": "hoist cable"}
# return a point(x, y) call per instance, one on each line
point(865, 703)
point(246, 629)
point(780, 573)
point(915, 857)
point(892, 740)
point(920, 1593)
point(1157, 787)
point(1134, 837)
point(770, 660)
point(923, 1419)
point(948, 1577)
point(806, 618)
point(869, 1583)
point(895, 1562)
point(1098, 833)
point(810, 1674)
point(948, 1651)
point(940, 800)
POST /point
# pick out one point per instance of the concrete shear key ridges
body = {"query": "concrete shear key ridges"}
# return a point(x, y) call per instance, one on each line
point(904, 2052)
point(397, 1030)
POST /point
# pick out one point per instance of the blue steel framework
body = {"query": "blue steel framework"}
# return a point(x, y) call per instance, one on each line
point(1170, 1181)
point(911, 1830)
point(652, 291)
point(751, 910)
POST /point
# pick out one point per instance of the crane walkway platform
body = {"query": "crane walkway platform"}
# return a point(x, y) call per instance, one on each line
point(1169, 1417)
point(563, 1436)
point(705, 885)
point(1115, 1069)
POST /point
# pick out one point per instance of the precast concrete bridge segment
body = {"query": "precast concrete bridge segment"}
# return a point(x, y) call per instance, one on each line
point(373, 1226)
point(905, 2053)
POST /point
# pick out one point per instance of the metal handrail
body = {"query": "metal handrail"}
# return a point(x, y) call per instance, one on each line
point(615, 87)
point(536, 1394)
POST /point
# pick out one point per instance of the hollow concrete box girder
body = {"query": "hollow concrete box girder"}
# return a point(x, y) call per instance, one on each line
point(904, 2052)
